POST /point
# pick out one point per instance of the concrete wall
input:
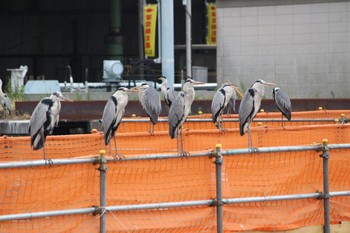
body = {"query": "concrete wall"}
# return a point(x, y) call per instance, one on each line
point(303, 47)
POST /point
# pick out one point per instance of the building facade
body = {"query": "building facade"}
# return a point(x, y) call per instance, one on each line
point(303, 46)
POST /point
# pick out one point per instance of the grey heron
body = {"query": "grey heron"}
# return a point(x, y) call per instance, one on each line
point(5, 101)
point(44, 118)
point(112, 115)
point(169, 94)
point(224, 97)
point(250, 106)
point(150, 102)
point(283, 103)
point(179, 111)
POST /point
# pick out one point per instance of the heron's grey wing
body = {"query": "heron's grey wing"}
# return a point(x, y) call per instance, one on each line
point(151, 103)
point(217, 104)
point(283, 103)
point(232, 103)
point(109, 118)
point(6, 102)
point(246, 109)
point(176, 115)
point(170, 96)
point(38, 122)
point(38, 118)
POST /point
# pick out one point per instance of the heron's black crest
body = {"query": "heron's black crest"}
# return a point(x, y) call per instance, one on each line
point(48, 102)
point(251, 92)
point(222, 91)
point(114, 99)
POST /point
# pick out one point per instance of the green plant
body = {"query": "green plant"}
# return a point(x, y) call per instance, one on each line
point(78, 96)
point(16, 94)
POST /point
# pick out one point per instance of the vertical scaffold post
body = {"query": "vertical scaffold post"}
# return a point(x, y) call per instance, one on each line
point(218, 161)
point(103, 169)
point(325, 156)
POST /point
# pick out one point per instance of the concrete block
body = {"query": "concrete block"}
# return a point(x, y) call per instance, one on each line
point(284, 9)
point(284, 29)
point(266, 20)
point(249, 40)
point(319, 18)
point(301, 28)
point(249, 30)
point(249, 20)
point(266, 50)
point(283, 39)
point(266, 30)
point(302, 9)
point(338, 17)
point(249, 50)
point(249, 11)
point(319, 27)
point(319, 38)
point(301, 18)
point(337, 27)
point(338, 37)
point(337, 7)
point(266, 60)
point(284, 19)
point(338, 47)
point(266, 40)
point(301, 38)
point(266, 10)
point(319, 8)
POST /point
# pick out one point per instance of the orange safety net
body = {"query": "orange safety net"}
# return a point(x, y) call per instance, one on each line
point(26, 190)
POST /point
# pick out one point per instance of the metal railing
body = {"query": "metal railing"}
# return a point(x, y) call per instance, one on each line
point(218, 202)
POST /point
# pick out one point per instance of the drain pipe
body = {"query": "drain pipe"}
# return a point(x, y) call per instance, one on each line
point(114, 38)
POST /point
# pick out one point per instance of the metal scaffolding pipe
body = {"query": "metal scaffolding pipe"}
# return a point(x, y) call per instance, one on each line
point(103, 203)
point(38, 163)
point(165, 205)
point(218, 163)
point(271, 198)
point(93, 160)
point(45, 214)
point(325, 156)
point(144, 119)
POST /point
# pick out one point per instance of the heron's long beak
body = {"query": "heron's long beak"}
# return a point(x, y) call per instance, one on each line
point(135, 89)
point(194, 82)
point(62, 98)
point(269, 84)
point(235, 88)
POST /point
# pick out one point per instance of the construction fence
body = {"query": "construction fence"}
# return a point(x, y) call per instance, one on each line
point(280, 187)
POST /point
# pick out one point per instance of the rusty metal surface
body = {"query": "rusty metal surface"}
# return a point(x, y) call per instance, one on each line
point(92, 110)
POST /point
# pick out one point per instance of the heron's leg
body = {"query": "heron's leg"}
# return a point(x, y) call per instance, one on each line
point(249, 138)
point(117, 156)
point(250, 144)
point(282, 121)
point(47, 161)
point(183, 152)
point(179, 142)
point(222, 129)
point(151, 129)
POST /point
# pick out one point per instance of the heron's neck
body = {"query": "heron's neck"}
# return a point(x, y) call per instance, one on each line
point(260, 90)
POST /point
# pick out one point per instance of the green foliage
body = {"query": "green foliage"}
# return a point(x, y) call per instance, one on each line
point(16, 94)
point(78, 96)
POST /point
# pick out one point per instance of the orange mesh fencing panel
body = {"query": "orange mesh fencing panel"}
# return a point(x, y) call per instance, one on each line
point(129, 182)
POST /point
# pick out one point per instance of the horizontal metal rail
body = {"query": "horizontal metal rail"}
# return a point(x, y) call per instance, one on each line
point(165, 205)
point(145, 119)
point(94, 160)
point(45, 214)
